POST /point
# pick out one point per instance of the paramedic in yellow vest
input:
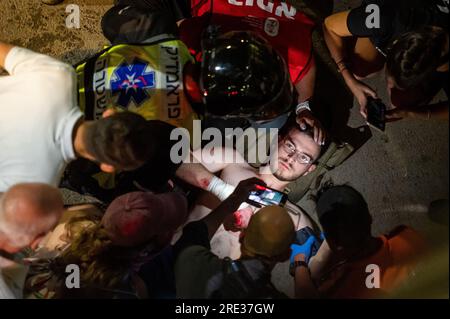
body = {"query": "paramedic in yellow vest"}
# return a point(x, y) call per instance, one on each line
point(148, 71)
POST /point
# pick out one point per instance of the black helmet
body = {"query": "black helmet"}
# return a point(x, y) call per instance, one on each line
point(243, 76)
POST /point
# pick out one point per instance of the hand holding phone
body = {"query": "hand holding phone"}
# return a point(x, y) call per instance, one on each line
point(266, 196)
point(376, 113)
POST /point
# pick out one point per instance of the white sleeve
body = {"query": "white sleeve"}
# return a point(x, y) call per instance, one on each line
point(21, 60)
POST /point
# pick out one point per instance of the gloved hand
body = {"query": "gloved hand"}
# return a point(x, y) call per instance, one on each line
point(304, 249)
point(322, 236)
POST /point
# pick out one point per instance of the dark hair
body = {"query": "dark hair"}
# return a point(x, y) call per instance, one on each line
point(120, 140)
point(414, 56)
point(291, 124)
point(344, 213)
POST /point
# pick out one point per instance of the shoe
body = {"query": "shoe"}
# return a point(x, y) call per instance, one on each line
point(51, 2)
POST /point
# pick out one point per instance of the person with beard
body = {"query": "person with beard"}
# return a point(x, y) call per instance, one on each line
point(296, 157)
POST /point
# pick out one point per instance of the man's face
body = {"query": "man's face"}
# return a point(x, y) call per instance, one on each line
point(295, 157)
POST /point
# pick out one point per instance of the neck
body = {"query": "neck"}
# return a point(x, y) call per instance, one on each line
point(271, 181)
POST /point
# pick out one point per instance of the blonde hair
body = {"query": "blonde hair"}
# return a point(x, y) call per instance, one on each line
point(102, 264)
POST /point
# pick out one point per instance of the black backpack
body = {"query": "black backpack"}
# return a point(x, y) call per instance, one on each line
point(238, 284)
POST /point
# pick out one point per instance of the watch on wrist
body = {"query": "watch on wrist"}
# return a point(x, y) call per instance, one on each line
point(295, 264)
point(302, 106)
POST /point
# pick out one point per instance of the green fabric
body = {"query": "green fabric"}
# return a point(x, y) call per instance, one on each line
point(335, 155)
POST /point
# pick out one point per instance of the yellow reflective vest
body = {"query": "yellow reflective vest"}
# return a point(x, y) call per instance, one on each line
point(145, 79)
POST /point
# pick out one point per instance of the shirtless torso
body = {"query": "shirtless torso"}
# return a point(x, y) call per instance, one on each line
point(225, 243)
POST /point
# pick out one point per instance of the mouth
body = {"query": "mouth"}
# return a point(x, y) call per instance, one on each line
point(284, 165)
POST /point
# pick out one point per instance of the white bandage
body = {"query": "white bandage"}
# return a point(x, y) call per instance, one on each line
point(219, 188)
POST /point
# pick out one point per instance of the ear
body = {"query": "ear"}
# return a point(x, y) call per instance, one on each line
point(108, 113)
point(107, 168)
point(310, 169)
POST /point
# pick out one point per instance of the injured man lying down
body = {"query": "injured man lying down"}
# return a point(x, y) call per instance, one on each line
point(294, 158)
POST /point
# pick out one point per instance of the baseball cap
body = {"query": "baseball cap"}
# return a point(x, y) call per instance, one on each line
point(139, 217)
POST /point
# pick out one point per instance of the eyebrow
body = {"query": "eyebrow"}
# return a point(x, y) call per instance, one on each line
point(296, 148)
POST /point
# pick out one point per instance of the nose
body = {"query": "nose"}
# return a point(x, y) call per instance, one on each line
point(290, 159)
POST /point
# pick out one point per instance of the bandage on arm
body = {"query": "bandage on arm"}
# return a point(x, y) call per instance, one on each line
point(219, 188)
point(196, 174)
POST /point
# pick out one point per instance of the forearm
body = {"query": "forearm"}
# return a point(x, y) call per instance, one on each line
point(305, 87)
point(198, 175)
point(336, 44)
point(4, 50)
point(304, 286)
point(195, 174)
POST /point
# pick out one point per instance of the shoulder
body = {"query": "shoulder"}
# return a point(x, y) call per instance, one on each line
point(405, 243)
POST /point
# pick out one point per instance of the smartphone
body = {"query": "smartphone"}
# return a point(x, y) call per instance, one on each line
point(267, 196)
point(376, 114)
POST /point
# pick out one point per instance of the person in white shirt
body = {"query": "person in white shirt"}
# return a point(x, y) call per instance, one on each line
point(42, 127)
point(41, 208)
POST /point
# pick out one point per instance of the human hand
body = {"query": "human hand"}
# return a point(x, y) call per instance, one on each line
point(242, 191)
point(298, 251)
point(361, 92)
point(304, 118)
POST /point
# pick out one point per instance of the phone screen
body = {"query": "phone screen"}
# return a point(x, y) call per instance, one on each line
point(267, 196)
point(376, 112)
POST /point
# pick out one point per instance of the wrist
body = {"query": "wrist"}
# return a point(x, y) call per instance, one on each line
point(302, 106)
point(296, 265)
point(342, 65)
point(349, 79)
point(300, 257)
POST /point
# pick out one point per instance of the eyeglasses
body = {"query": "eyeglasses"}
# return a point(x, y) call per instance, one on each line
point(299, 157)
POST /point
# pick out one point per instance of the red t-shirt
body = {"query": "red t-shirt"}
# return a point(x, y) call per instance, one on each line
point(396, 260)
point(281, 24)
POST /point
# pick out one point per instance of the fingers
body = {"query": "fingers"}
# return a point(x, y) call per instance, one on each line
point(310, 240)
point(253, 203)
point(317, 135)
point(301, 122)
point(321, 136)
point(363, 111)
point(369, 91)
